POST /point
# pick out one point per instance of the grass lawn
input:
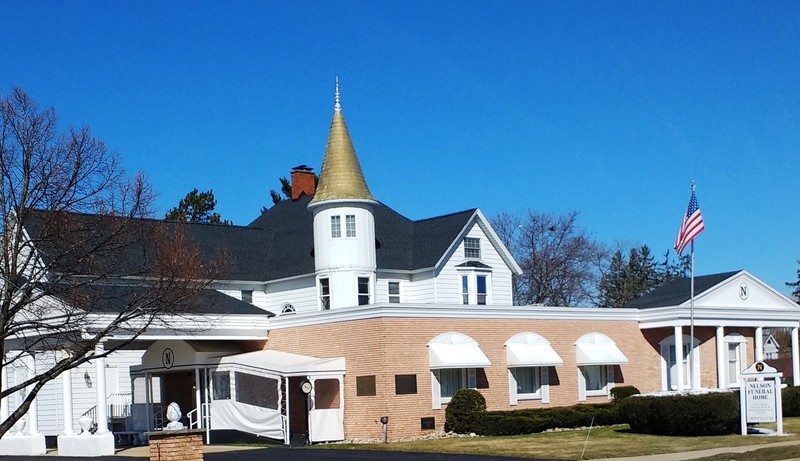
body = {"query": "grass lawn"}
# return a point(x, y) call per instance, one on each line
point(604, 442)
point(761, 454)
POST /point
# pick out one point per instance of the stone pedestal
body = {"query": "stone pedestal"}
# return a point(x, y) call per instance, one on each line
point(86, 444)
point(182, 444)
point(22, 445)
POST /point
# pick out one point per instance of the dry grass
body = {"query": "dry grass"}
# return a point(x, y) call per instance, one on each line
point(604, 442)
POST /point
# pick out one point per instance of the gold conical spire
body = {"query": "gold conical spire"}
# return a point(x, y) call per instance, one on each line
point(341, 177)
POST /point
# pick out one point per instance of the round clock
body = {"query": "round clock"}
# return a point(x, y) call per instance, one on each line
point(306, 386)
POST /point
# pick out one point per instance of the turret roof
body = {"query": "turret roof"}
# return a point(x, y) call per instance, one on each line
point(341, 177)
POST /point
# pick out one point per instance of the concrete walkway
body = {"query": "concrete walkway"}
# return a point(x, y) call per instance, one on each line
point(703, 453)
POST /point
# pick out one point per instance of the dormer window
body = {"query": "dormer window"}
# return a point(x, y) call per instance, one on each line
point(247, 296)
point(350, 225)
point(336, 226)
point(472, 248)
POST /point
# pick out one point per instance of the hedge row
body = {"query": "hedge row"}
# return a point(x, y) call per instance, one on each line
point(706, 414)
point(790, 398)
point(467, 413)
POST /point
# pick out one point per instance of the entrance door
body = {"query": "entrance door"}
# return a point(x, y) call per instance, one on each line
point(326, 416)
point(178, 387)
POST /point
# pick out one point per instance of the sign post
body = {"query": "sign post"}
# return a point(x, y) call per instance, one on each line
point(760, 396)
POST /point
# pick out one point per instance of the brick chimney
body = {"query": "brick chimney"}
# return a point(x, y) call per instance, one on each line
point(303, 182)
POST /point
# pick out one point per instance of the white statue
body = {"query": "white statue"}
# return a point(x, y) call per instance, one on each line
point(85, 422)
point(174, 416)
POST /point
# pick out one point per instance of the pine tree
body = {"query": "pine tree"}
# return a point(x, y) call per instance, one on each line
point(197, 207)
point(796, 285)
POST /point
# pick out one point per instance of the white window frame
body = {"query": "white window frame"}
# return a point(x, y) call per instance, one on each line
point(541, 377)
point(740, 342)
point(469, 380)
point(369, 289)
point(667, 346)
point(399, 294)
point(336, 226)
point(471, 294)
point(464, 288)
point(350, 226)
point(321, 297)
point(470, 249)
point(606, 371)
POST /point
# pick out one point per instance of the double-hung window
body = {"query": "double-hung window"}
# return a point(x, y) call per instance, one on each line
point(363, 291)
point(350, 225)
point(394, 292)
point(465, 289)
point(472, 248)
point(481, 288)
point(596, 379)
point(336, 226)
point(325, 293)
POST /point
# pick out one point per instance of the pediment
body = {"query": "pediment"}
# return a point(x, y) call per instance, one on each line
point(744, 291)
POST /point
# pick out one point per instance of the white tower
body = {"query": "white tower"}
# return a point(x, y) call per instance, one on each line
point(344, 227)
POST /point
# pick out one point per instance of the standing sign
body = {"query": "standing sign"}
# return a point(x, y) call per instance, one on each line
point(760, 401)
point(760, 396)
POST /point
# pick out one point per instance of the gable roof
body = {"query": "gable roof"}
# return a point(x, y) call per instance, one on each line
point(678, 291)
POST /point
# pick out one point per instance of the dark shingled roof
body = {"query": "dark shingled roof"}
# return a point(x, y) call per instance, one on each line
point(131, 252)
point(276, 245)
point(115, 299)
point(401, 244)
point(678, 291)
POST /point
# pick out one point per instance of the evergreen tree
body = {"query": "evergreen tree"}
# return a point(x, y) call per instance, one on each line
point(629, 278)
point(796, 285)
point(285, 192)
point(197, 207)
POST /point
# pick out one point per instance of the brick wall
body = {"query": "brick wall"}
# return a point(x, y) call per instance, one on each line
point(385, 347)
point(176, 445)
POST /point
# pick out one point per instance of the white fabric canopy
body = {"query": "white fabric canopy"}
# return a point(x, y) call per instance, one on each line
point(285, 363)
point(598, 349)
point(530, 350)
point(455, 350)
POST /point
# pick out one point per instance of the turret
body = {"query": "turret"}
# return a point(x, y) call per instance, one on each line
point(344, 226)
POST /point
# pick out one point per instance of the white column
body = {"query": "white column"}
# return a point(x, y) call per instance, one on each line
point(795, 359)
point(148, 401)
point(679, 358)
point(33, 410)
point(759, 340)
point(198, 400)
point(66, 386)
point(102, 397)
point(722, 381)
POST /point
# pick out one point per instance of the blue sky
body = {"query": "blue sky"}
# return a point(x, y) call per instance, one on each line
point(608, 108)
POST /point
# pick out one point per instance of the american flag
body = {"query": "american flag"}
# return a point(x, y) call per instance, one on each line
point(691, 226)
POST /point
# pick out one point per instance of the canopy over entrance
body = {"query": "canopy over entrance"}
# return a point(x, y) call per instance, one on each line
point(284, 363)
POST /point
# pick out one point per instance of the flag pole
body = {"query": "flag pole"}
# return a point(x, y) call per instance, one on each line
point(691, 318)
point(691, 327)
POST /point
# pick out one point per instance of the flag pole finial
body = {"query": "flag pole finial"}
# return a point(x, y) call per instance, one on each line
point(692, 185)
point(337, 106)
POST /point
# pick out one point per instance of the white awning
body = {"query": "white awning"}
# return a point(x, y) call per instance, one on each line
point(530, 350)
point(284, 363)
point(455, 350)
point(598, 349)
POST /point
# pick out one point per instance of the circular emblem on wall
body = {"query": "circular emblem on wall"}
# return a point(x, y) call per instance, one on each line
point(168, 358)
point(744, 291)
point(759, 367)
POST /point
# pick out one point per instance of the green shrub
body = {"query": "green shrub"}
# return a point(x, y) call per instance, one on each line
point(790, 397)
point(529, 421)
point(619, 393)
point(706, 414)
point(465, 412)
